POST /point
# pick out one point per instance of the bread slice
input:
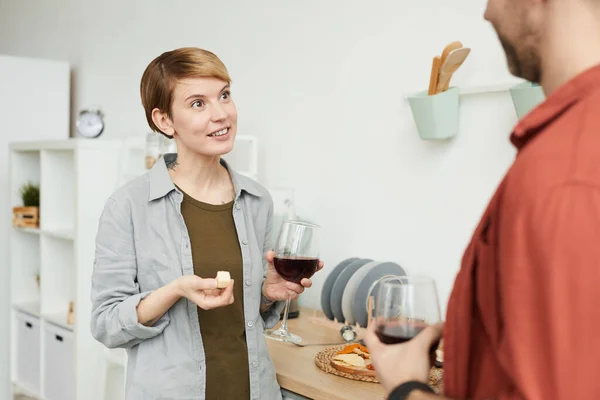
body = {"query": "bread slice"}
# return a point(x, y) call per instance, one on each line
point(353, 360)
point(351, 364)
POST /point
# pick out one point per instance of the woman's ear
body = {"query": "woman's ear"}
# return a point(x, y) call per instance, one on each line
point(163, 122)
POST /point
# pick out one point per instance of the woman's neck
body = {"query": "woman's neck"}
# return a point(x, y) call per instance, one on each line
point(202, 177)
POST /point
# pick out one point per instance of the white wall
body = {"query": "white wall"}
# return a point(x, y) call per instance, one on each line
point(322, 84)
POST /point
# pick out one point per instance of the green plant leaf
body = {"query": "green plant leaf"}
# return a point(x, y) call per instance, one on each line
point(30, 194)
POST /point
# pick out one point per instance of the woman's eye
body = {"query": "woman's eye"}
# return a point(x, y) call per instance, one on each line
point(197, 104)
point(225, 95)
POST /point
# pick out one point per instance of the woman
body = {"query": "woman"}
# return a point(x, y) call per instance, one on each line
point(163, 237)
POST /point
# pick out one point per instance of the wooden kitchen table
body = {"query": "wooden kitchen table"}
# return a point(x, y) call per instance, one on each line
point(297, 372)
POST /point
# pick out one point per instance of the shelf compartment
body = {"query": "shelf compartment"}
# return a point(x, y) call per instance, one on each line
point(25, 167)
point(58, 275)
point(25, 266)
point(57, 191)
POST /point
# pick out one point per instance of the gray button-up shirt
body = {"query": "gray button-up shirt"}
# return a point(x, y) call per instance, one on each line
point(143, 244)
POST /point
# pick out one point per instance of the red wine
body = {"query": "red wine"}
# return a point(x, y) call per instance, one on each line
point(393, 333)
point(294, 269)
point(399, 332)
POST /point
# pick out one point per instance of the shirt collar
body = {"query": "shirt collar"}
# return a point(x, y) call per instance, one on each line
point(161, 183)
point(556, 104)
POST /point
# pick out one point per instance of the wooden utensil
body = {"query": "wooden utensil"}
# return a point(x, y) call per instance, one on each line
point(450, 47)
point(435, 73)
point(454, 60)
point(370, 312)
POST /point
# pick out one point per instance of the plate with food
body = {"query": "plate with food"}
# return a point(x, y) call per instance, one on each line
point(352, 361)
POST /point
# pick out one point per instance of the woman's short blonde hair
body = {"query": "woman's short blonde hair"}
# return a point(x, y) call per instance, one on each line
point(161, 75)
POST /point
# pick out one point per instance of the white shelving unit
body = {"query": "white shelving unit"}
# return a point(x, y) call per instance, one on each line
point(51, 359)
point(20, 77)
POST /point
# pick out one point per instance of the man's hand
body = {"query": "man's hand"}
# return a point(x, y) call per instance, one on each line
point(278, 289)
point(399, 363)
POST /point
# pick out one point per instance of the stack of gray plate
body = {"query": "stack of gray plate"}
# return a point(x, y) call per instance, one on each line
point(346, 288)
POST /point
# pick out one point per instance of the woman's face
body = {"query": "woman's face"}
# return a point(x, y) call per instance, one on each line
point(203, 116)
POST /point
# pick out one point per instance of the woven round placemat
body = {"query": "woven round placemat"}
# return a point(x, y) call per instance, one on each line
point(323, 361)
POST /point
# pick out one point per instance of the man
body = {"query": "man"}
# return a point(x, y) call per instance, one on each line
point(524, 315)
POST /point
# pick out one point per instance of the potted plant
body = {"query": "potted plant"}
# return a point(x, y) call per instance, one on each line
point(28, 215)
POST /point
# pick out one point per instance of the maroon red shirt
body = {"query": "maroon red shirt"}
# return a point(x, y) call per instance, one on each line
point(523, 319)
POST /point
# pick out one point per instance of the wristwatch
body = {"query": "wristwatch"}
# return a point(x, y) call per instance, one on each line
point(403, 391)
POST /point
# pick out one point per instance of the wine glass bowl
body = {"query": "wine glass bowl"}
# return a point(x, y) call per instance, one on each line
point(405, 307)
point(296, 258)
point(294, 269)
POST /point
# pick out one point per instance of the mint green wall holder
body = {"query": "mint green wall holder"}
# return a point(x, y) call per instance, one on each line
point(436, 116)
point(526, 96)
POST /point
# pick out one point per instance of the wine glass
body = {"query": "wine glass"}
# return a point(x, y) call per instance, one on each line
point(296, 257)
point(405, 306)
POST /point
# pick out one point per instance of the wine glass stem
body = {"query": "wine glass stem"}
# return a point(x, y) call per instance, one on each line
point(285, 315)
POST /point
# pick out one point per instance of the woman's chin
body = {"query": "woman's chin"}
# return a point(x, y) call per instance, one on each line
point(216, 149)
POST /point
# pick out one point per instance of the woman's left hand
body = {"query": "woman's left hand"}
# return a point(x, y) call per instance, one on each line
point(278, 289)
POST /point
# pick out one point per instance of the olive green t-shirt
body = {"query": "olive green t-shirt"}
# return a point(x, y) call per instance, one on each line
point(215, 247)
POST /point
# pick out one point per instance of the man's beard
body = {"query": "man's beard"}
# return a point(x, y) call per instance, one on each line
point(523, 64)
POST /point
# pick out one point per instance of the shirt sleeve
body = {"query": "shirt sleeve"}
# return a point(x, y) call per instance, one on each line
point(549, 280)
point(115, 292)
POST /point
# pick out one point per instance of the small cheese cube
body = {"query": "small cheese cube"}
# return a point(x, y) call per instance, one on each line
point(223, 279)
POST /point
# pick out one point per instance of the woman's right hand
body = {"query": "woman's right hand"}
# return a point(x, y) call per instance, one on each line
point(204, 292)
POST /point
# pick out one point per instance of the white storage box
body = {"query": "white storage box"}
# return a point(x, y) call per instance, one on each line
point(28, 351)
point(59, 363)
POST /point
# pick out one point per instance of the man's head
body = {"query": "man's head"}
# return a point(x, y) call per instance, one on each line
point(519, 25)
point(562, 37)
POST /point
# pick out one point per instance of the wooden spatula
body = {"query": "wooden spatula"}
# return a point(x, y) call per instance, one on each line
point(435, 74)
point(450, 47)
point(454, 60)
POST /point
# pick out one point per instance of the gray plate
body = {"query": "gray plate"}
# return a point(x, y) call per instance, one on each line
point(350, 290)
point(328, 286)
point(340, 284)
point(359, 305)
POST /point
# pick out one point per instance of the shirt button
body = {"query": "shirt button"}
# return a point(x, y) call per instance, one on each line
point(250, 324)
point(237, 205)
point(254, 364)
point(244, 242)
point(248, 282)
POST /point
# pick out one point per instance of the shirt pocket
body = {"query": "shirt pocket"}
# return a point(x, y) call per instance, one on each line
point(155, 273)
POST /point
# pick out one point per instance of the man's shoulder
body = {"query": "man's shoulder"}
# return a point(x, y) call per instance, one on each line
point(566, 152)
